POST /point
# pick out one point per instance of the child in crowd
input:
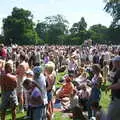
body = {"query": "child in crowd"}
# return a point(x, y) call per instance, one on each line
point(74, 99)
point(35, 100)
point(105, 71)
point(83, 97)
point(99, 113)
point(29, 75)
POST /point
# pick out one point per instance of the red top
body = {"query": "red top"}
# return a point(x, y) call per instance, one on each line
point(8, 82)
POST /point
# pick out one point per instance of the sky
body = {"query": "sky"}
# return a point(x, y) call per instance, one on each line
point(72, 10)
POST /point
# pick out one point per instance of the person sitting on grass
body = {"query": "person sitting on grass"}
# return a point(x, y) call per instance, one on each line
point(8, 84)
point(64, 92)
point(66, 89)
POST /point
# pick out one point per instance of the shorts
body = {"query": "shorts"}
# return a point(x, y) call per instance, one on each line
point(20, 90)
point(49, 96)
point(8, 100)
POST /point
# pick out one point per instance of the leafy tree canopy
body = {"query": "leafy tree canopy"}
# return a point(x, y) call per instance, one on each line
point(19, 27)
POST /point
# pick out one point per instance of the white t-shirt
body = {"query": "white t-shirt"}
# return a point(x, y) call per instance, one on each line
point(107, 56)
point(72, 66)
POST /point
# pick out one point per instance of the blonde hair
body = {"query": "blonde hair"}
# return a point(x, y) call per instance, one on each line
point(81, 70)
point(84, 74)
point(52, 64)
point(49, 68)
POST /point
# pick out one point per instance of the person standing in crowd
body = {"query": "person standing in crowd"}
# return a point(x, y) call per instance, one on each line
point(101, 61)
point(72, 65)
point(99, 112)
point(95, 85)
point(20, 71)
point(114, 107)
point(29, 75)
point(41, 81)
point(50, 80)
point(105, 71)
point(96, 58)
point(46, 58)
point(35, 100)
point(3, 52)
point(20, 92)
point(8, 84)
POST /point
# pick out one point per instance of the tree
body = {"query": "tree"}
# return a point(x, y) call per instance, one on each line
point(114, 35)
point(1, 38)
point(19, 28)
point(41, 29)
point(113, 8)
point(52, 29)
point(98, 33)
point(79, 31)
point(78, 27)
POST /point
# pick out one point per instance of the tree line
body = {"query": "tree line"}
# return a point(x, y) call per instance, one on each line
point(19, 28)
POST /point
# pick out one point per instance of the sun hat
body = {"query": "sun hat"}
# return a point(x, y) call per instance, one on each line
point(30, 72)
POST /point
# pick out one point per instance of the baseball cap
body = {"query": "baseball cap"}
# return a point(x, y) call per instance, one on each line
point(37, 69)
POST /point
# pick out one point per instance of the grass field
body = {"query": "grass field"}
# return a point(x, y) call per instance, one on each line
point(105, 99)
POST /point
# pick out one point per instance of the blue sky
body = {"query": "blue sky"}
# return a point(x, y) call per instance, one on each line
point(72, 10)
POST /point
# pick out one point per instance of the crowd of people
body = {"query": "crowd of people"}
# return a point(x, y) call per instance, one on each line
point(29, 82)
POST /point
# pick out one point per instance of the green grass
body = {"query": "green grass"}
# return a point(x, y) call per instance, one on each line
point(105, 100)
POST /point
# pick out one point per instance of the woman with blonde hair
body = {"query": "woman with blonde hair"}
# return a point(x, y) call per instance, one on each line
point(50, 80)
point(20, 91)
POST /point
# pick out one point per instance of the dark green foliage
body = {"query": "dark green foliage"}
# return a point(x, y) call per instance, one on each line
point(98, 33)
point(53, 29)
point(1, 39)
point(19, 28)
point(114, 35)
point(79, 32)
point(113, 8)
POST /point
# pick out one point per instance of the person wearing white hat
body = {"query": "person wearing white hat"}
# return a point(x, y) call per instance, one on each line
point(114, 107)
point(41, 81)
